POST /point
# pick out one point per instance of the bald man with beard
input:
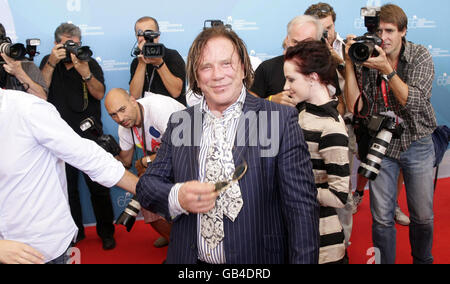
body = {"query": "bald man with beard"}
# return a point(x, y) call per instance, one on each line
point(142, 124)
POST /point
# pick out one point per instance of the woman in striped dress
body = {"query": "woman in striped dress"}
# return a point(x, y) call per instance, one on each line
point(309, 70)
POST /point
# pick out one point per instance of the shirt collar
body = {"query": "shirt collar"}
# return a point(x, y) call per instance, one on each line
point(329, 109)
point(406, 52)
point(236, 105)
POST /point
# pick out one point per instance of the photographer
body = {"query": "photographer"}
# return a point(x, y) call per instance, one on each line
point(398, 83)
point(142, 124)
point(164, 75)
point(20, 75)
point(76, 88)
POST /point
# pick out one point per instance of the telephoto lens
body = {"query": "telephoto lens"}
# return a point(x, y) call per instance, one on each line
point(16, 51)
point(377, 151)
point(387, 129)
point(128, 216)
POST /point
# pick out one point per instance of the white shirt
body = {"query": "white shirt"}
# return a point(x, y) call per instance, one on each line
point(339, 45)
point(157, 111)
point(34, 144)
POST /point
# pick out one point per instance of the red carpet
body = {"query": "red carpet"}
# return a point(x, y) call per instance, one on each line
point(136, 247)
point(361, 239)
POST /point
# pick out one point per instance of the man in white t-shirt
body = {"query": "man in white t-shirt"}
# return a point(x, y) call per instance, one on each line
point(151, 115)
point(36, 224)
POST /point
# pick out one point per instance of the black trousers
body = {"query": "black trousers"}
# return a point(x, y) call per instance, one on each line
point(100, 199)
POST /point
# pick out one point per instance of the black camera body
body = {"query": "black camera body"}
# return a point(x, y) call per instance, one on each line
point(383, 129)
point(215, 23)
point(324, 38)
point(150, 48)
point(18, 51)
point(364, 46)
point(107, 142)
point(83, 53)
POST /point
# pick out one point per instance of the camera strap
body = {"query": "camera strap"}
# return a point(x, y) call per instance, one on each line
point(85, 97)
point(151, 78)
point(364, 113)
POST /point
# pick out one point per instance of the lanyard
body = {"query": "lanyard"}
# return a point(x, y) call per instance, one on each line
point(151, 79)
point(141, 139)
point(385, 89)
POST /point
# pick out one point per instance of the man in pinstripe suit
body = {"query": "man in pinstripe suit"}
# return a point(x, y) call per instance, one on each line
point(271, 215)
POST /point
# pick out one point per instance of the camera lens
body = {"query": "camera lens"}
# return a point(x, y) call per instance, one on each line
point(371, 168)
point(15, 51)
point(128, 216)
point(360, 52)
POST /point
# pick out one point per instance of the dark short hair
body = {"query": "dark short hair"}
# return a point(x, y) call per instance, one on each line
point(145, 19)
point(2, 30)
point(313, 56)
point(67, 29)
point(199, 44)
point(395, 15)
point(321, 11)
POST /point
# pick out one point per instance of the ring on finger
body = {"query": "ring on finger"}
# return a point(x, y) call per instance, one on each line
point(199, 198)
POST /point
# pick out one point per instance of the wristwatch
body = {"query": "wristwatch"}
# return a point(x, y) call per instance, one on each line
point(149, 161)
point(159, 66)
point(390, 76)
point(88, 78)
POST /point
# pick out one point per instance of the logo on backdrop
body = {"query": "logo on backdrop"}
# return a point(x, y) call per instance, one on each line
point(443, 80)
point(438, 52)
point(73, 5)
point(87, 30)
point(420, 23)
point(168, 27)
point(261, 55)
point(110, 65)
point(241, 25)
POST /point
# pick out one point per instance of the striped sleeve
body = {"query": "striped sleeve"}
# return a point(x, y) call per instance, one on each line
point(333, 149)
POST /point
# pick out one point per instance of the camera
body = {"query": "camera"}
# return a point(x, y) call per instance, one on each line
point(364, 46)
point(383, 128)
point(150, 49)
point(214, 23)
point(18, 51)
point(128, 216)
point(83, 53)
point(324, 38)
point(107, 142)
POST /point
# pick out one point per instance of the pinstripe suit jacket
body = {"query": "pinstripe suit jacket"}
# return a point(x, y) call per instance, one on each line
point(279, 222)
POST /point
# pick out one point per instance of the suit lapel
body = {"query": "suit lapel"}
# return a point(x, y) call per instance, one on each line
point(246, 130)
point(194, 150)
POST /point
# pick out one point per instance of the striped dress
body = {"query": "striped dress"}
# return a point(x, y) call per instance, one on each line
point(327, 138)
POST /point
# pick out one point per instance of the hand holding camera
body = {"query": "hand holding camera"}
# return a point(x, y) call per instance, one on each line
point(58, 54)
point(13, 67)
point(148, 48)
